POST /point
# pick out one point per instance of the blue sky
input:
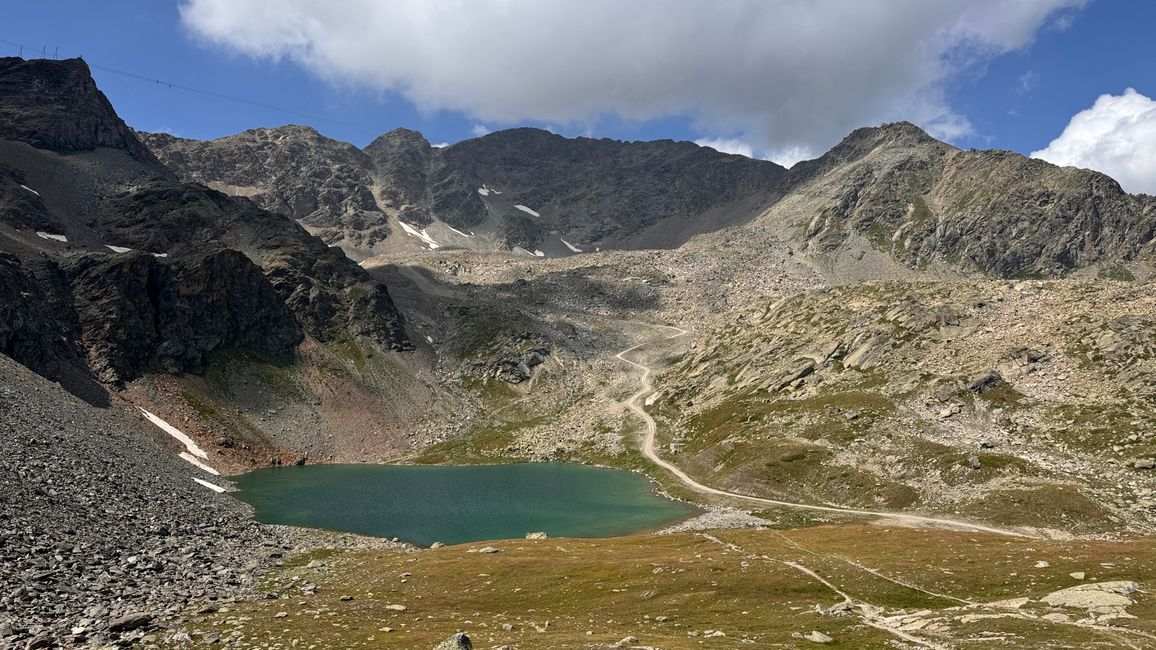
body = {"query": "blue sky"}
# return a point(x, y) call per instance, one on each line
point(1011, 88)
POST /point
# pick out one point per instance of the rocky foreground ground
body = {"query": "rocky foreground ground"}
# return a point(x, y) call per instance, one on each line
point(103, 532)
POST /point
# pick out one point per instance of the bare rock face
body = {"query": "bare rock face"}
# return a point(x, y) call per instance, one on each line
point(119, 316)
point(329, 293)
point(598, 189)
point(401, 161)
point(38, 327)
point(137, 312)
point(56, 105)
point(291, 170)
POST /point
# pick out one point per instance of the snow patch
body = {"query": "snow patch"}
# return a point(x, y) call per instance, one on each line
point(117, 249)
point(457, 231)
point(483, 191)
point(420, 234)
point(43, 235)
point(653, 398)
point(538, 253)
point(215, 488)
point(188, 442)
point(522, 251)
point(429, 339)
point(532, 213)
point(160, 254)
point(30, 189)
point(196, 461)
point(572, 247)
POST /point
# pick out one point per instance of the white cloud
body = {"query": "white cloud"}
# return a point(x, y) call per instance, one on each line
point(727, 145)
point(1028, 82)
point(788, 156)
point(779, 74)
point(480, 129)
point(785, 156)
point(1117, 136)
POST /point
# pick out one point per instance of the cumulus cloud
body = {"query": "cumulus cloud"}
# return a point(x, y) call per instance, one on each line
point(781, 74)
point(788, 156)
point(728, 145)
point(785, 156)
point(1117, 136)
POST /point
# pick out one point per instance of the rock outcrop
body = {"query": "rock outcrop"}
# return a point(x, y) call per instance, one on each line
point(293, 170)
point(138, 313)
point(56, 105)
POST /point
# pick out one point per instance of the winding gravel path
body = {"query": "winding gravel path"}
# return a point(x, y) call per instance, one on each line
point(649, 450)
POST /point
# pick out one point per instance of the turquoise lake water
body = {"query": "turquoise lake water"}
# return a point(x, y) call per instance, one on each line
point(454, 505)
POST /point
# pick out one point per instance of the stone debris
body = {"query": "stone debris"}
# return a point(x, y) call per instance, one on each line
point(1102, 600)
point(815, 636)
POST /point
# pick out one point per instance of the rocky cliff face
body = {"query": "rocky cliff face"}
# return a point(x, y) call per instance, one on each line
point(293, 170)
point(330, 295)
point(113, 268)
point(56, 105)
point(137, 313)
point(401, 162)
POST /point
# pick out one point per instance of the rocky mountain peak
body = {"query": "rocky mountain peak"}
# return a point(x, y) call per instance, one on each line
point(397, 139)
point(893, 141)
point(401, 159)
point(56, 105)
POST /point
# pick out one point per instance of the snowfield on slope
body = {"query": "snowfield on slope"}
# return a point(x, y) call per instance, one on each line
point(420, 234)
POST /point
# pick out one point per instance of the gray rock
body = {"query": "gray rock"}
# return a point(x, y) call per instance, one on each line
point(818, 637)
point(129, 622)
point(458, 641)
point(985, 382)
point(40, 641)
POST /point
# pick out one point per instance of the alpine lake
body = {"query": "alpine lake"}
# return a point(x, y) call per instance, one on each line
point(424, 504)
